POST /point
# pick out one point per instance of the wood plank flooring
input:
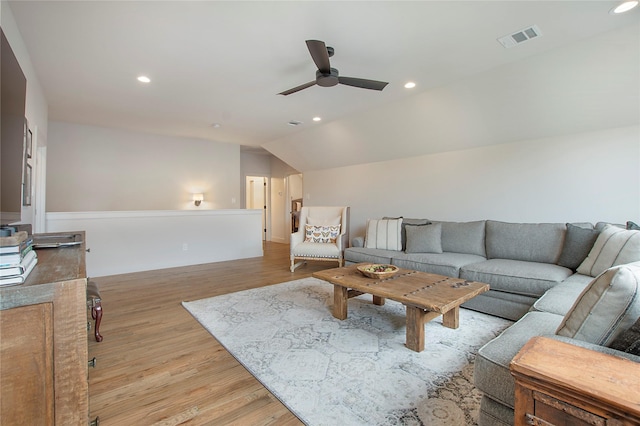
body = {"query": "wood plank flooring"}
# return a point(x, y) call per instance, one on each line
point(158, 366)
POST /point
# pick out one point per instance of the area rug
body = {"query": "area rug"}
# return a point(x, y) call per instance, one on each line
point(351, 372)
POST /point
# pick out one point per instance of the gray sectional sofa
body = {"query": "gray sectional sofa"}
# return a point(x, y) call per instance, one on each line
point(574, 282)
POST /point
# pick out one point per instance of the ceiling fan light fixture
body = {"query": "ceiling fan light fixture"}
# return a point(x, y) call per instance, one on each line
point(624, 7)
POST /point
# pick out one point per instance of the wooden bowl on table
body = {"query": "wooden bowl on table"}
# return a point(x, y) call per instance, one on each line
point(377, 270)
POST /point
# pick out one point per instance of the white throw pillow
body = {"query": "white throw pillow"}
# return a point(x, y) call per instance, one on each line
point(609, 305)
point(384, 234)
point(614, 246)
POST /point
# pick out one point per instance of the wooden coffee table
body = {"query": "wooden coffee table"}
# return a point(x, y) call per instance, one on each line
point(426, 296)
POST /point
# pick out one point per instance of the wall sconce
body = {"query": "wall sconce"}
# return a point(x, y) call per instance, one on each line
point(197, 199)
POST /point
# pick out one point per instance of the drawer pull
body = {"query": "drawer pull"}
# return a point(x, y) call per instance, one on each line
point(95, 422)
point(92, 362)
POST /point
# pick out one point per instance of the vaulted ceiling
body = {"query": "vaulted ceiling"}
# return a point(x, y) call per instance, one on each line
point(225, 62)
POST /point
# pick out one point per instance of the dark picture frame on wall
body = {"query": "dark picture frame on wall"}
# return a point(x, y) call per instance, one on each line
point(26, 190)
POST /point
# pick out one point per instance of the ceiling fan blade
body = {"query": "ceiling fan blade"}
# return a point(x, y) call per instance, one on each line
point(319, 55)
point(297, 89)
point(362, 83)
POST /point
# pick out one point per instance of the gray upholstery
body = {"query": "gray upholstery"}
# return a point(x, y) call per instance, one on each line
point(448, 264)
point(464, 237)
point(531, 242)
point(494, 413)
point(405, 222)
point(424, 238)
point(516, 276)
point(491, 370)
point(367, 255)
point(560, 298)
point(501, 304)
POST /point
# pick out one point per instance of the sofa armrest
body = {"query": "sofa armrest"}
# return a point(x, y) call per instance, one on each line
point(296, 238)
point(342, 241)
point(357, 242)
point(597, 348)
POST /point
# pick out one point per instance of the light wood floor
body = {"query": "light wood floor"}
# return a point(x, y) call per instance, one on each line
point(157, 365)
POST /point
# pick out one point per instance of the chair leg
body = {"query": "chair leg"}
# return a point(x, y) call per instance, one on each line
point(96, 314)
point(294, 265)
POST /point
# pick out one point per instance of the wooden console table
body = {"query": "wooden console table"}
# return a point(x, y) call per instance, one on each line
point(43, 351)
point(562, 384)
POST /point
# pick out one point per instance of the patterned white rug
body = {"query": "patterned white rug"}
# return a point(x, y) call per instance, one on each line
point(352, 372)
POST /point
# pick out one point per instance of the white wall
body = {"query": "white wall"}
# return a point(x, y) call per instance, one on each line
point(93, 168)
point(36, 108)
point(123, 242)
point(590, 177)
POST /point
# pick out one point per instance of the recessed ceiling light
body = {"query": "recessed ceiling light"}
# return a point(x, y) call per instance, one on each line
point(317, 118)
point(216, 125)
point(624, 7)
point(144, 79)
point(410, 85)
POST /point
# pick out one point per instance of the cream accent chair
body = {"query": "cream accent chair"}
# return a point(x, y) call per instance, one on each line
point(303, 251)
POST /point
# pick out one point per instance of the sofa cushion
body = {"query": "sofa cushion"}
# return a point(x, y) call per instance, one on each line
point(365, 255)
point(320, 250)
point(464, 237)
point(383, 234)
point(491, 371)
point(531, 242)
point(500, 304)
point(560, 298)
point(448, 264)
point(321, 234)
point(424, 238)
point(614, 246)
point(516, 276)
point(408, 221)
point(606, 307)
point(578, 242)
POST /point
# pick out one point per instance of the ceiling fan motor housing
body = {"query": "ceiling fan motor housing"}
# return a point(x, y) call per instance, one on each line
point(327, 80)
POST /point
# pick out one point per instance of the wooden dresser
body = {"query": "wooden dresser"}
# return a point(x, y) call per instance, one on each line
point(43, 342)
point(562, 384)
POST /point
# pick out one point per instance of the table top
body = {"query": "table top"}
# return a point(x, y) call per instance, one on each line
point(576, 370)
point(437, 293)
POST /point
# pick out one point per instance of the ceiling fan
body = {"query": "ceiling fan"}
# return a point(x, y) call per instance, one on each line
point(327, 76)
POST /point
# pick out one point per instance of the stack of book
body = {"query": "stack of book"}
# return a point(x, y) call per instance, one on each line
point(17, 258)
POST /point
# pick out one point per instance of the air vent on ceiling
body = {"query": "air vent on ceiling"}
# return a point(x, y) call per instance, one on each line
point(520, 37)
point(294, 123)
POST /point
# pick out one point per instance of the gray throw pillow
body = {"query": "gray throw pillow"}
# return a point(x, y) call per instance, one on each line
point(424, 238)
point(578, 242)
point(405, 222)
point(629, 340)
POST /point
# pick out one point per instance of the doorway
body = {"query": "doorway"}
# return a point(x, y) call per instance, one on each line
point(256, 198)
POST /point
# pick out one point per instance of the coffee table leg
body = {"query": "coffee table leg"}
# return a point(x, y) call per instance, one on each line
point(340, 299)
point(451, 318)
point(377, 300)
point(416, 319)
